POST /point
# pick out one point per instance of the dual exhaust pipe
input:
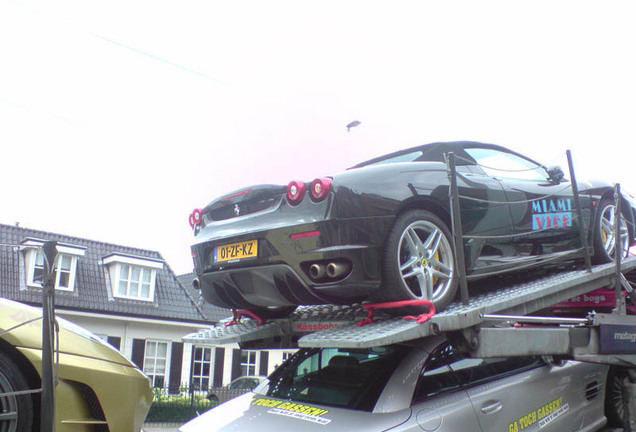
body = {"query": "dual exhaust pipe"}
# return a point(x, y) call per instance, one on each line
point(317, 271)
point(332, 270)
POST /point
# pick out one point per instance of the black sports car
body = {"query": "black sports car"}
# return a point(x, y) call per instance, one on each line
point(381, 230)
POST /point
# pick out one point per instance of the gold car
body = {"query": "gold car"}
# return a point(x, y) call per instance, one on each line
point(98, 389)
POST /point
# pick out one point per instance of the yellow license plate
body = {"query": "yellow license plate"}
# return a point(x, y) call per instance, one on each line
point(232, 251)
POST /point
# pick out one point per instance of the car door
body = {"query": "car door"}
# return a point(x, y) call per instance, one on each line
point(525, 394)
point(439, 402)
point(486, 218)
point(543, 211)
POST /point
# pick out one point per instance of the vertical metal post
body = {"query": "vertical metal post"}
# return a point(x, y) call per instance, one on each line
point(456, 226)
point(579, 213)
point(618, 244)
point(47, 412)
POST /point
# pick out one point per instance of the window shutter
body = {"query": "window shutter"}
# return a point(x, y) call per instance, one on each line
point(138, 352)
point(236, 363)
point(219, 359)
point(115, 341)
point(262, 369)
point(176, 363)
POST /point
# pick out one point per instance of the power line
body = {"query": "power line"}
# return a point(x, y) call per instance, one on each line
point(119, 44)
point(154, 57)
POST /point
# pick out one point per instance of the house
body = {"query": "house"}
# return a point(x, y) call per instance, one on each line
point(131, 298)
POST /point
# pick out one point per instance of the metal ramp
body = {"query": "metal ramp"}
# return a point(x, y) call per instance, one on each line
point(332, 326)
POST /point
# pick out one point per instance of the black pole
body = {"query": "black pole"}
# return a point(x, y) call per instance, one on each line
point(579, 214)
point(47, 411)
point(618, 244)
point(456, 222)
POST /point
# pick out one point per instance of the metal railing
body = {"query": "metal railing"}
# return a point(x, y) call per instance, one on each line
point(187, 402)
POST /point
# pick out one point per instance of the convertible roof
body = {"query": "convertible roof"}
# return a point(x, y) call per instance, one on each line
point(434, 152)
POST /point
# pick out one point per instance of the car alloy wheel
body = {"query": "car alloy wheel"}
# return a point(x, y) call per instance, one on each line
point(426, 260)
point(419, 260)
point(16, 411)
point(614, 406)
point(605, 233)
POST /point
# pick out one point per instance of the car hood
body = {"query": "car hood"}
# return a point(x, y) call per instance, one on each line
point(24, 329)
point(258, 413)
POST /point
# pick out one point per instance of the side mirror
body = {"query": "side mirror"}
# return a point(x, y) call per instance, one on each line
point(555, 174)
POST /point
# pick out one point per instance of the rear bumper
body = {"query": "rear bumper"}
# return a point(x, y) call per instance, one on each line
point(281, 285)
point(280, 274)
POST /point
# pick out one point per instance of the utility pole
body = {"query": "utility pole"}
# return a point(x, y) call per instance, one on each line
point(47, 412)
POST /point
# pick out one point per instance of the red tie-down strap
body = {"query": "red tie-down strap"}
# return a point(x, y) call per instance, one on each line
point(238, 313)
point(421, 318)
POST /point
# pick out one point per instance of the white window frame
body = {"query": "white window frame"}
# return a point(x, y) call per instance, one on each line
point(118, 264)
point(151, 372)
point(245, 366)
point(198, 378)
point(32, 248)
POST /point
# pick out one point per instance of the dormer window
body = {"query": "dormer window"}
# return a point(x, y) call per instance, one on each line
point(65, 265)
point(132, 277)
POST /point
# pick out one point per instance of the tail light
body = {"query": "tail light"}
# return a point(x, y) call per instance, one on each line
point(319, 188)
point(195, 218)
point(295, 191)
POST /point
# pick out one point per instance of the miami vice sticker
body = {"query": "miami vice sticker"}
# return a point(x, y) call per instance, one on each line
point(551, 213)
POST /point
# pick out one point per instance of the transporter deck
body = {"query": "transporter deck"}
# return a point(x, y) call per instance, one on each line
point(335, 326)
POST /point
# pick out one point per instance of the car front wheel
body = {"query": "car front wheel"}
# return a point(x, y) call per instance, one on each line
point(16, 411)
point(419, 261)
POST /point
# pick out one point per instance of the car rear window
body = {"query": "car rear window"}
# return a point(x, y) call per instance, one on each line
point(348, 378)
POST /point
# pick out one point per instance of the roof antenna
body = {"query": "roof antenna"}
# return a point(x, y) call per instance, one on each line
point(352, 124)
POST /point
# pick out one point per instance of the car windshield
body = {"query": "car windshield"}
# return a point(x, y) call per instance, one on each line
point(349, 378)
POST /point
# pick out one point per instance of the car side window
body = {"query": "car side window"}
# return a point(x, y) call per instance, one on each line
point(436, 376)
point(447, 369)
point(471, 371)
point(507, 165)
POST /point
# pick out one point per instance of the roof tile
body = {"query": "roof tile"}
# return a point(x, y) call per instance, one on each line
point(92, 292)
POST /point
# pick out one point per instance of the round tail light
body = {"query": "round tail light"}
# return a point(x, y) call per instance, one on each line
point(319, 188)
point(195, 217)
point(295, 191)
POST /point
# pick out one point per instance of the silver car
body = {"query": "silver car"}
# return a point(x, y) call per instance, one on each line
point(237, 387)
point(429, 386)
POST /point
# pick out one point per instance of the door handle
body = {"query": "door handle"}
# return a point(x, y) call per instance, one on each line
point(491, 407)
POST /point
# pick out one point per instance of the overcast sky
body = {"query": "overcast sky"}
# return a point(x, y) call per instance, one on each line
point(119, 117)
